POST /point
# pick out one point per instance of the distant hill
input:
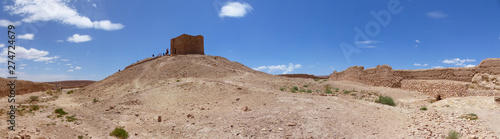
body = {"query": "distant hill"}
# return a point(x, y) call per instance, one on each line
point(72, 83)
point(23, 87)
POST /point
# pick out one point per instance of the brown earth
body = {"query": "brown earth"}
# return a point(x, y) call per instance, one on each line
point(72, 84)
point(304, 76)
point(201, 96)
point(23, 87)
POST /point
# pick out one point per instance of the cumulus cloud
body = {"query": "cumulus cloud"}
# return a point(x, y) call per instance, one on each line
point(436, 67)
point(458, 61)
point(470, 65)
point(77, 38)
point(26, 36)
point(417, 41)
point(27, 54)
point(46, 59)
point(279, 68)
point(436, 15)
point(56, 10)
point(5, 23)
point(78, 68)
point(2, 45)
point(71, 70)
point(64, 59)
point(235, 9)
point(418, 64)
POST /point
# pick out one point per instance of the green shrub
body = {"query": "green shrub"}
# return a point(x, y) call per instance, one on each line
point(80, 137)
point(60, 111)
point(423, 108)
point(69, 92)
point(95, 100)
point(178, 80)
point(302, 90)
point(385, 100)
point(282, 89)
point(309, 91)
point(336, 89)
point(33, 98)
point(347, 92)
point(328, 91)
point(470, 116)
point(453, 135)
point(119, 133)
point(295, 88)
point(306, 86)
point(316, 80)
point(70, 118)
point(35, 107)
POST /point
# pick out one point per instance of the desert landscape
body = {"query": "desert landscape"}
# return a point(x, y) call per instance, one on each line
point(203, 96)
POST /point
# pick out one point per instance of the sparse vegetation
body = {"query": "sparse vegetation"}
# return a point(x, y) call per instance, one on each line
point(347, 92)
point(385, 100)
point(69, 92)
point(282, 89)
point(95, 100)
point(423, 108)
point(316, 80)
point(309, 91)
point(336, 89)
point(80, 137)
point(302, 90)
point(119, 133)
point(296, 88)
point(33, 98)
point(453, 135)
point(328, 91)
point(178, 80)
point(60, 111)
point(293, 89)
point(470, 116)
point(306, 85)
point(70, 118)
point(35, 107)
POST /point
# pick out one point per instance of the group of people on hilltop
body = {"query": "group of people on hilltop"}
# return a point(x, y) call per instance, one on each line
point(161, 54)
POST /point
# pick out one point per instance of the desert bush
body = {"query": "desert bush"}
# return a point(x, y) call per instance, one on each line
point(347, 92)
point(282, 89)
point(306, 85)
point(423, 108)
point(295, 88)
point(385, 100)
point(453, 135)
point(119, 133)
point(35, 107)
point(80, 137)
point(470, 116)
point(69, 92)
point(60, 111)
point(309, 91)
point(328, 91)
point(336, 89)
point(316, 80)
point(302, 90)
point(70, 118)
point(33, 98)
point(95, 100)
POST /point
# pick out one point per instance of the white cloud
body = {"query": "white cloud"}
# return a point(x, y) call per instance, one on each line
point(367, 42)
point(95, 5)
point(64, 59)
point(21, 68)
point(56, 10)
point(5, 23)
point(23, 65)
point(77, 38)
point(71, 70)
point(68, 64)
point(26, 36)
point(458, 61)
point(417, 41)
point(78, 68)
point(279, 68)
point(470, 65)
point(235, 9)
point(46, 59)
point(2, 45)
point(436, 15)
point(417, 64)
point(29, 54)
point(370, 46)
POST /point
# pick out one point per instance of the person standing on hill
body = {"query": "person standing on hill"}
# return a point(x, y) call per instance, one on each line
point(167, 51)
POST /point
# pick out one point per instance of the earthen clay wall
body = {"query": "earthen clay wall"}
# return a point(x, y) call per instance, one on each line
point(384, 75)
point(187, 44)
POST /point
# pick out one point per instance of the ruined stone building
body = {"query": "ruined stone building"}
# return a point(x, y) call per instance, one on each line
point(187, 44)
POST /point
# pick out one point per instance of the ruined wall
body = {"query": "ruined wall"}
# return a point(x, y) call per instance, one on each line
point(303, 76)
point(187, 44)
point(435, 88)
point(384, 75)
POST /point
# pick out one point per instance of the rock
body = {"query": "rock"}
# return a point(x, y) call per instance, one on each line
point(190, 116)
point(497, 99)
point(246, 108)
point(292, 124)
point(17, 137)
point(473, 137)
point(280, 129)
point(159, 118)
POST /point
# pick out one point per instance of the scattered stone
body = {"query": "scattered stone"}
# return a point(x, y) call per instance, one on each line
point(497, 99)
point(17, 137)
point(159, 118)
point(237, 99)
point(280, 129)
point(190, 116)
point(246, 108)
point(292, 124)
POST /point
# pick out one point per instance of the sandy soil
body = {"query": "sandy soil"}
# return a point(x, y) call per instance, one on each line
point(211, 97)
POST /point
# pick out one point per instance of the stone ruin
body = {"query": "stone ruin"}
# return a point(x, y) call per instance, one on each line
point(438, 83)
point(187, 44)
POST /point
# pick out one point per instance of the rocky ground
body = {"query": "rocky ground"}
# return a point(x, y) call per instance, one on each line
point(170, 97)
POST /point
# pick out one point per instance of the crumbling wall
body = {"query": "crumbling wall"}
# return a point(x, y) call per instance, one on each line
point(438, 89)
point(384, 75)
point(187, 44)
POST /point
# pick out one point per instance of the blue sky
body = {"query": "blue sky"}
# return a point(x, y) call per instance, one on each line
point(92, 39)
